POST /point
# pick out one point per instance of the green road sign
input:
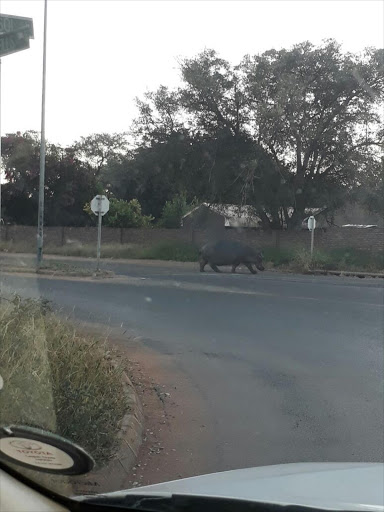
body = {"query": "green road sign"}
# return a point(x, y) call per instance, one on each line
point(14, 42)
point(10, 23)
point(15, 32)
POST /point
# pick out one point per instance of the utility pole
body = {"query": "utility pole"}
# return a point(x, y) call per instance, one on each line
point(40, 222)
point(1, 161)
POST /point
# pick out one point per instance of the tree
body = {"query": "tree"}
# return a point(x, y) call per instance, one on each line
point(311, 107)
point(371, 190)
point(174, 210)
point(96, 149)
point(68, 183)
point(209, 153)
point(212, 94)
point(153, 174)
point(160, 116)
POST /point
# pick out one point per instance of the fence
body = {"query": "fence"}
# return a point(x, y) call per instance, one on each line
point(371, 239)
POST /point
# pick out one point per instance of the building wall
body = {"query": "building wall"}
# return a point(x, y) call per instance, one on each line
point(203, 217)
point(365, 239)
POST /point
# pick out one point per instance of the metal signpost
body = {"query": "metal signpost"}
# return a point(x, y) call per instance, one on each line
point(15, 33)
point(99, 206)
point(311, 227)
point(40, 214)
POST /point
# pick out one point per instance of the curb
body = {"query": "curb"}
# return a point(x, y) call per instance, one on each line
point(345, 273)
point(113, 476)
point(58, 274)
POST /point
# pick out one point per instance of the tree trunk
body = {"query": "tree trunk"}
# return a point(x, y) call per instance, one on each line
point(297, 215)
point(266, 224)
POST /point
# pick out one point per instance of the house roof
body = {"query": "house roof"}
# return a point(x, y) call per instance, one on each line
point(361, 226)
point(234, 215)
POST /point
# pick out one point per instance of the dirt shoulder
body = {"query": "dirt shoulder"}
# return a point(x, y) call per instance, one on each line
point(178, 436)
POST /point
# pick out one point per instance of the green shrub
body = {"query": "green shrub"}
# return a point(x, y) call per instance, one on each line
point(304, 262)
point(278, 257)
point(123, 214)
point(354, 259)
point(174, 210)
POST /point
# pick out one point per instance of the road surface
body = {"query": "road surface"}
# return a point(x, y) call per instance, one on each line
point(289, 368)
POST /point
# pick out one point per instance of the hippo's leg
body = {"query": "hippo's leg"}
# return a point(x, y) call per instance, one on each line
point(250, 268)
point(214, 267)
point(202, 262)
point(234, 266)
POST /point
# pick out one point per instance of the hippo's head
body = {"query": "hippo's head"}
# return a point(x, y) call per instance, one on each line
point(259, 261)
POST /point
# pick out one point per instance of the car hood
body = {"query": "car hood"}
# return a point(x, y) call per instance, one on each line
point(337, 486)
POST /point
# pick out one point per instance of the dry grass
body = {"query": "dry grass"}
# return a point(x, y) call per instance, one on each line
point(350, 260)
point(171, 251)
point(56, 379)
point(345, 259)
point(297, 260)
point(89, 251)
point(167, 250)
point(19, 247)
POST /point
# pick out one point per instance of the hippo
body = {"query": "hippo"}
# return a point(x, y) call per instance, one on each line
point(227, 252)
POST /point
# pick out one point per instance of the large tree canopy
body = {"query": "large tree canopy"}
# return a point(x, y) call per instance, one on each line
point(312, 109)
point(282, 131)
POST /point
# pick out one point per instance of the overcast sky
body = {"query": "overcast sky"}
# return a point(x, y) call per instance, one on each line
point(101, 54)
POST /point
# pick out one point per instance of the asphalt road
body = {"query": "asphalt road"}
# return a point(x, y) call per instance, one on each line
point(289, 367)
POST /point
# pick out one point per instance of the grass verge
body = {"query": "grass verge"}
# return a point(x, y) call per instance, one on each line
point(347, 259)
point(299, 260)
point(167, 250)
point(58, 380)
point(175, 251)
point(89, 251)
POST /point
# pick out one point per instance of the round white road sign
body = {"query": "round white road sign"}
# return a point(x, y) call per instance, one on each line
point(100, 204)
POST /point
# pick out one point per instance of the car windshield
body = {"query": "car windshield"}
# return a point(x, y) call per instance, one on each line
point(192, 247)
